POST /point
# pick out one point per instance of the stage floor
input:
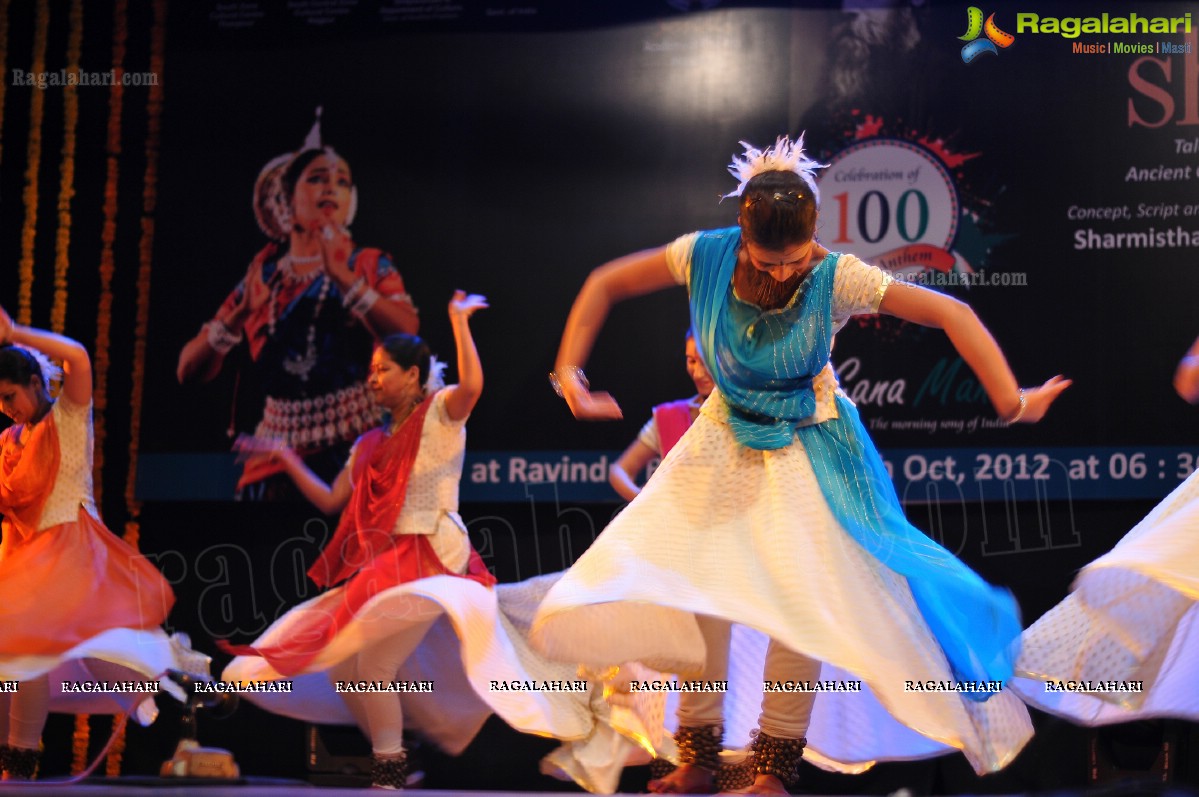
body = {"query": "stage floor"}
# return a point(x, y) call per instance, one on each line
point(257, 787)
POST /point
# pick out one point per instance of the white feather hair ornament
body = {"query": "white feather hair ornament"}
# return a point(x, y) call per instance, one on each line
point(436, 378)
point(51, 372)
point(785, 156)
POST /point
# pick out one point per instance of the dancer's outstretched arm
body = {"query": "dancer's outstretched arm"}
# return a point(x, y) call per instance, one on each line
point(329, 498)
point(976, 346)
point(624, 278)
point(463, 396)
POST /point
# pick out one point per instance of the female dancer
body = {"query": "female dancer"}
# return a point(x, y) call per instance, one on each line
point(1122, 645)
point(309, 308)
point(775, 510)
point(417, 605)
point(664, 429)
point(78, 604)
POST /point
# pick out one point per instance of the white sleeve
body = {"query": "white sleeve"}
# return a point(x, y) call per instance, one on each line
point(678, 257)
point(648, 436)
point(65, 406)
point(858, 288)
point(440, 412)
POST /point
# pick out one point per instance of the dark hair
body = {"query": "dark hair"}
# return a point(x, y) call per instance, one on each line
point(778, 209)
point(408, 350)
point(291, 175)
point(19, 366)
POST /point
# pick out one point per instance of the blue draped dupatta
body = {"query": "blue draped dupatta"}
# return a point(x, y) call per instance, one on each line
point(764, 363)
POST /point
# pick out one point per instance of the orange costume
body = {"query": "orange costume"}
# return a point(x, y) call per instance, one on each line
point(70, 590)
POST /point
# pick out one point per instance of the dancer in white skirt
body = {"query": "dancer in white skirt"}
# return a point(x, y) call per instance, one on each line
point(1124, 644)
point(775, 510)
point(78, 605)
point(418, 636)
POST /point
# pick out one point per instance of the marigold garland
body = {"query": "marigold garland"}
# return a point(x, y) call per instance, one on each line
point(108, 235)
point(79, 743)
point(66, 179)
point(37, 101)
point(112, 767)
point(145, 252)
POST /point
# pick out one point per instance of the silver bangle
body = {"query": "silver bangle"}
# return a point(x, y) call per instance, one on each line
point(1020, 410)
point(569, 371)
point(405, 298)
point(365, 302)
point(354, 292)
point(220, 337)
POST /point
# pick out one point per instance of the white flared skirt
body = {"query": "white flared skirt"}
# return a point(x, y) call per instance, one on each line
point(477, 659)
point(1124, 644)
point(747, 536)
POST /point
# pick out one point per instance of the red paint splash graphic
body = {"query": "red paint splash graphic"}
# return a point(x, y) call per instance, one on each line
point(874, 126)
point(869, 128)
point(950, 159)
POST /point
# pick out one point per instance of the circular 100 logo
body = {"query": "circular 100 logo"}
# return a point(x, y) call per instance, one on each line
point(885, 196)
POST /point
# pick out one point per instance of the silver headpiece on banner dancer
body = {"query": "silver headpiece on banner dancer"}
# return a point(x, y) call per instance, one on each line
point(785, 156)
point(271, 208)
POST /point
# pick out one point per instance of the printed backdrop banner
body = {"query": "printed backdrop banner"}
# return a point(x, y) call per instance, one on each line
point(1040, 167)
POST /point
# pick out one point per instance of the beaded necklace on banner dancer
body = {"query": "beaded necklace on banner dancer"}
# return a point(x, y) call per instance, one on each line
point(296, 365)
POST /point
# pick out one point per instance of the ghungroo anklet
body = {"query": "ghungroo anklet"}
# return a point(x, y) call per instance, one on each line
point(389, 773)
point(700, 745)
point(660, 768)
point(778, 757)
point(732, 777)
point(20, 764)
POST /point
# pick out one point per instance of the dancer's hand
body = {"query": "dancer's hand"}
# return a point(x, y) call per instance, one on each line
point(255, 294)
point(251, 448)
point(1038, 399)
point(586, 405)
point(464, 305)
point(600, 406)
point(336, 247)
point(461, 398)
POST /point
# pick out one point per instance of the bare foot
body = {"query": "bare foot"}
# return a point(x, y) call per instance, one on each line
point(763, 784)
point(686, 779)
